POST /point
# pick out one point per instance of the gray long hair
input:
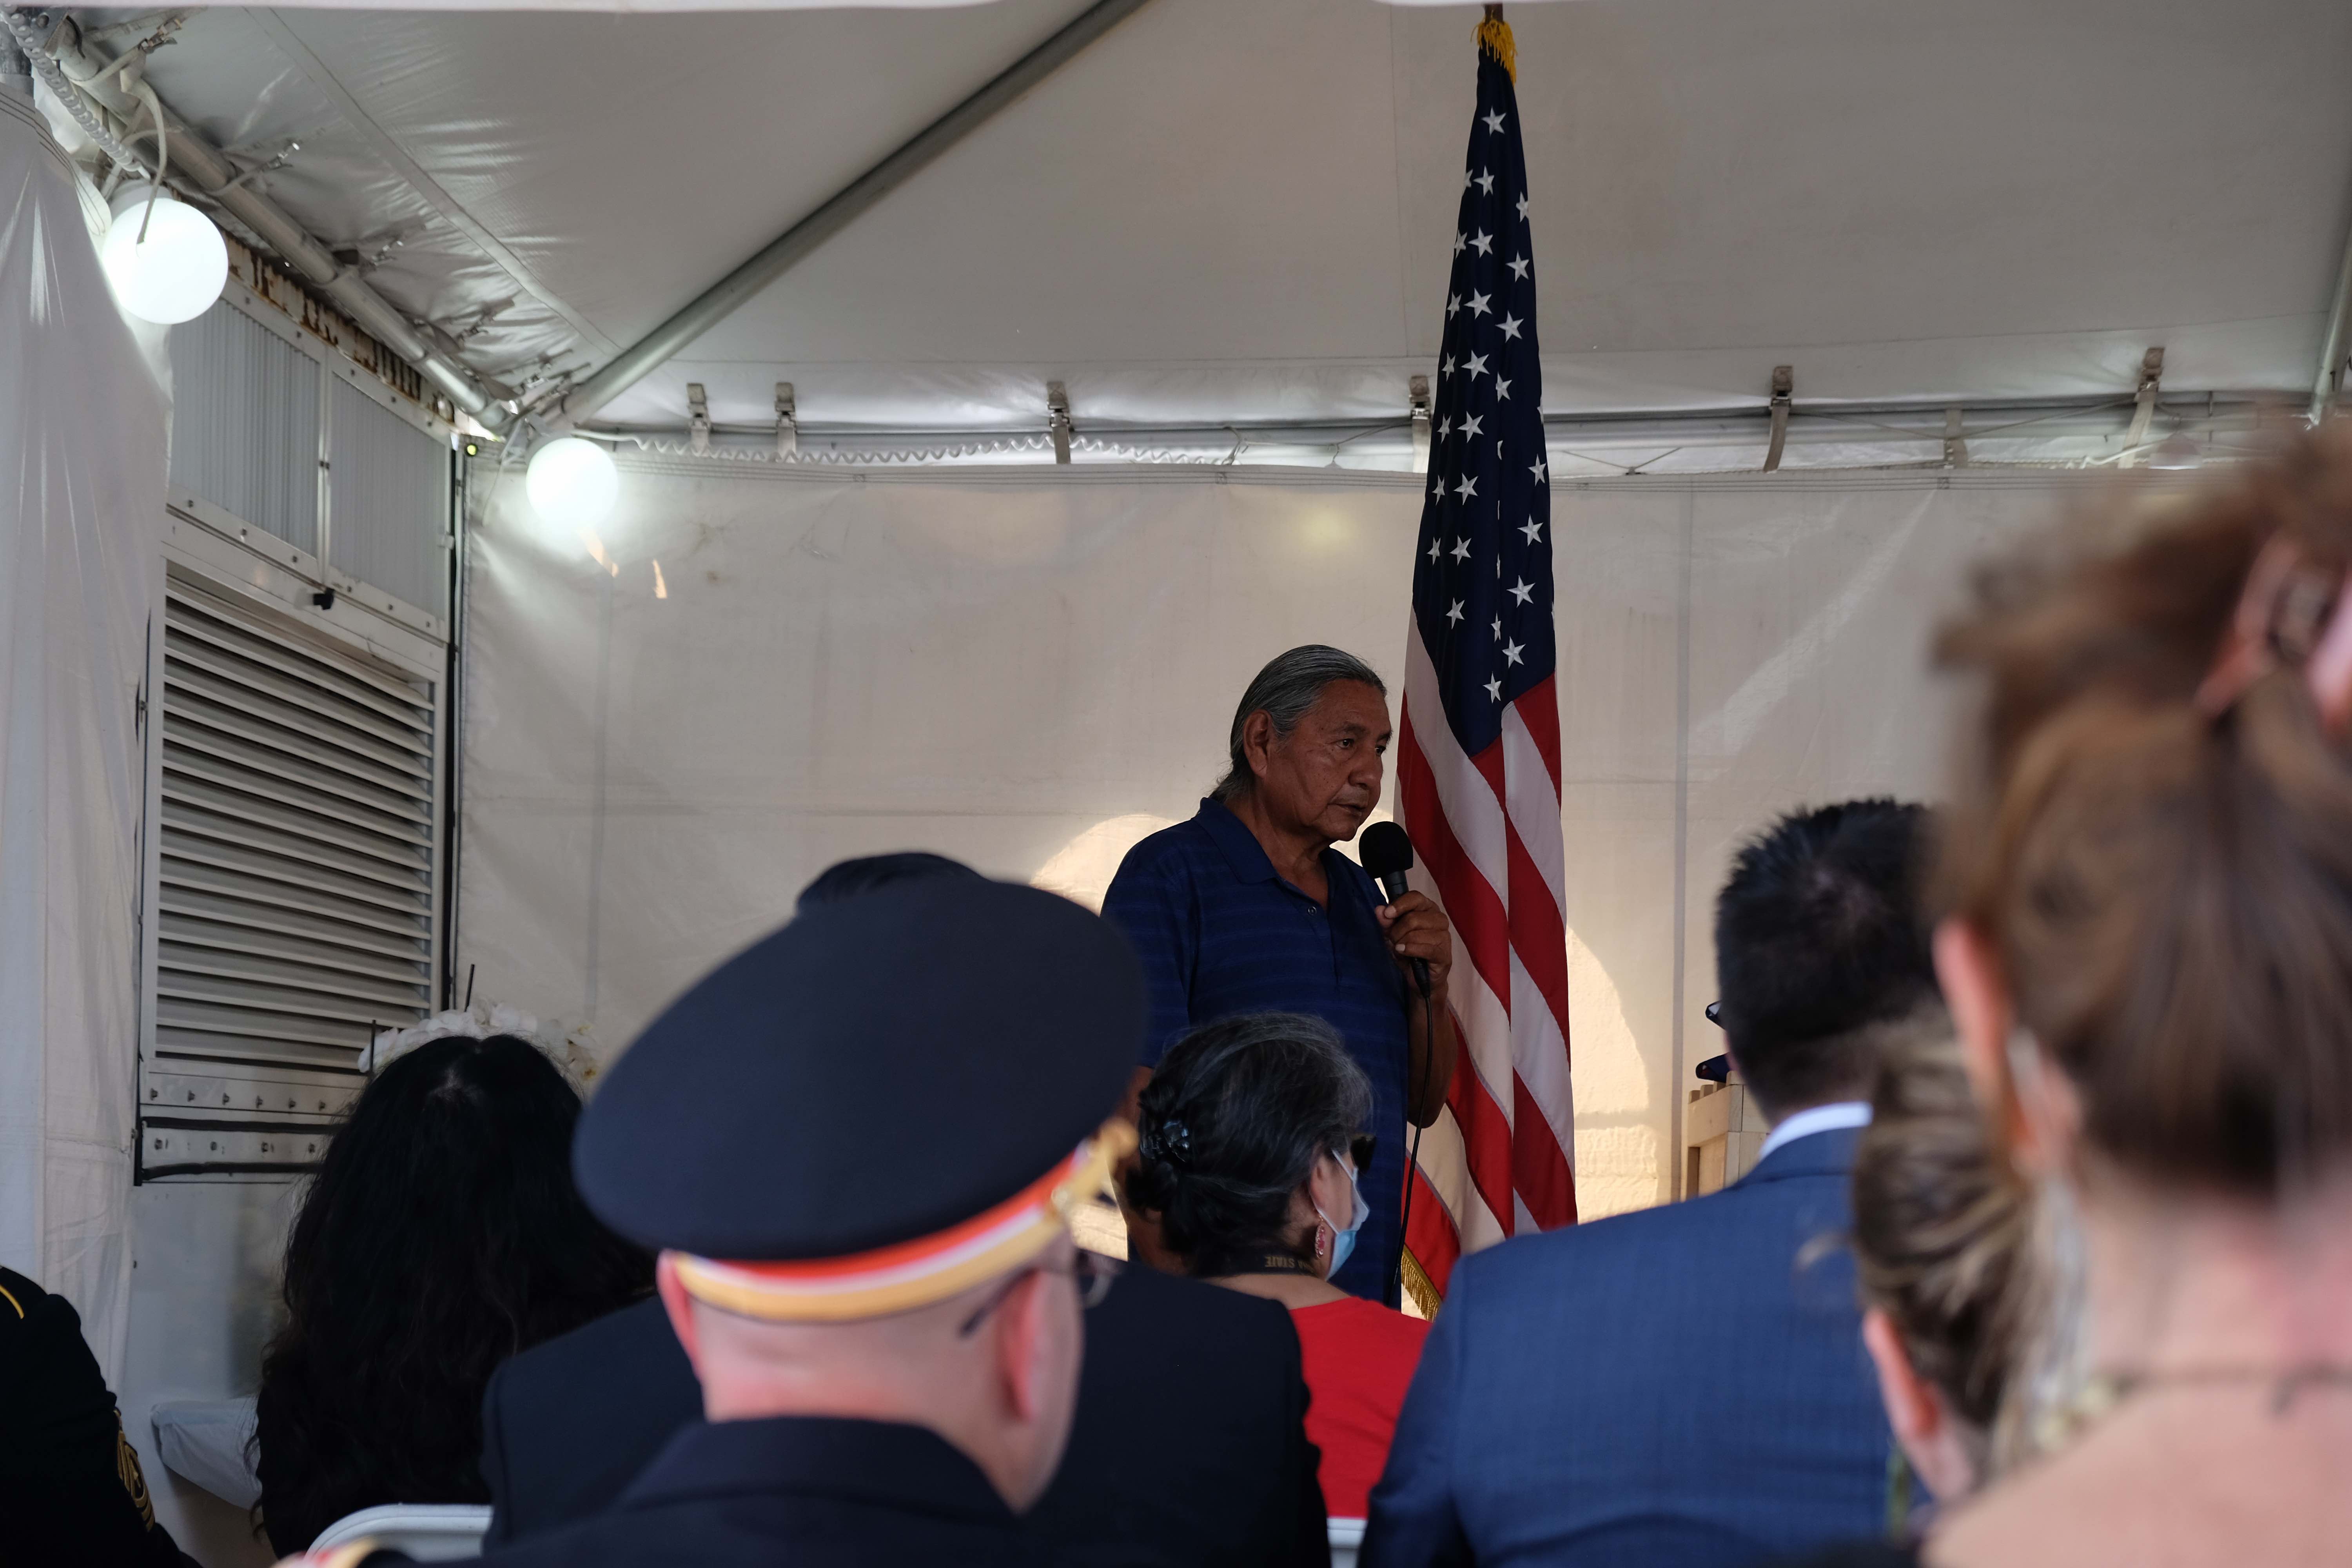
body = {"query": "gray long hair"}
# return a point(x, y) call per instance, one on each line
point(1284, 690)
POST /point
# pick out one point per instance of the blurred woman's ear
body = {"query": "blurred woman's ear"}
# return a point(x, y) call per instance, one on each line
point(1978, 998)
point(1922, 1421)
point(1977, 995)
point(2028, 1101)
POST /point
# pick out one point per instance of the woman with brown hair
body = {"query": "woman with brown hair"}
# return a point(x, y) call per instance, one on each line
point(2149, 960)
point(1941, 1223)
point(1943, 1230)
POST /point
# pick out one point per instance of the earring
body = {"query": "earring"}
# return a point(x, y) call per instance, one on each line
point(1322, 1239)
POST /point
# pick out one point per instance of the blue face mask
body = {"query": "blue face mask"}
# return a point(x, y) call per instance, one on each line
point(1343, 1241)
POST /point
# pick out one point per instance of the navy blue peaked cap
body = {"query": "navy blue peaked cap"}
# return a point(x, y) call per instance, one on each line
point(876, 1072)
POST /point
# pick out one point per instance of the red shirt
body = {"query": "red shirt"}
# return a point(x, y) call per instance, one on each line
point(1358, 1357)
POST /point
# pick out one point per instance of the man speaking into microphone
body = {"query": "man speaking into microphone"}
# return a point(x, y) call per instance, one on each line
point(1248, 907)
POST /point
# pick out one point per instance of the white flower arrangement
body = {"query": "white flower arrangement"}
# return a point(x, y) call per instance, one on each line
point(572, 1047)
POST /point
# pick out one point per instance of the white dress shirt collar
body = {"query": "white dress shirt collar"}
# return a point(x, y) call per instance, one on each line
point(1832, 1118)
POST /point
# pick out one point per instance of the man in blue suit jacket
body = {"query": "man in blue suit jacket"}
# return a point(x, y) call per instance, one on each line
point(1686, 1387)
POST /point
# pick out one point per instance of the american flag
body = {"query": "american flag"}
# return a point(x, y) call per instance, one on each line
point(1478, 757)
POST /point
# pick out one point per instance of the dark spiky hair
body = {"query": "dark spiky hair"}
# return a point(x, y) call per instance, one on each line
point(1818, 934)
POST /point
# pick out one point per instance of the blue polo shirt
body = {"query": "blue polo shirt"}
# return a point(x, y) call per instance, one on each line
point(1220, 933)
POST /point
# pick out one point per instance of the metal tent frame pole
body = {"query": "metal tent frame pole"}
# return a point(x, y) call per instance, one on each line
point(787, 251)
point(1937, 428)
point(90, 74)
point(2332, 345)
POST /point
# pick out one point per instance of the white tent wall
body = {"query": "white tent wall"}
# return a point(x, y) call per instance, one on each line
point(173, 1283)
point(1029, 670)
point(204, 1302)
point(82, 429)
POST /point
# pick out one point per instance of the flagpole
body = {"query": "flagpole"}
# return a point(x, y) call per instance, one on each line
point(1494, 37)
point(1494, 34)
point(1508, 1152)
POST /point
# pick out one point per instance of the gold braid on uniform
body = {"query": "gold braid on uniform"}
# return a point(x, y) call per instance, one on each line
point(134, 1480)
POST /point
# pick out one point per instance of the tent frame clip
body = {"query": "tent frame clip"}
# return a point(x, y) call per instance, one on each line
point(2151, 381)
point(1784, 382)
point(788, 422)
point(1057, 406)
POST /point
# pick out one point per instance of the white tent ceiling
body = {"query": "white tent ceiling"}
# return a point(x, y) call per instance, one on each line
point(1237, 210)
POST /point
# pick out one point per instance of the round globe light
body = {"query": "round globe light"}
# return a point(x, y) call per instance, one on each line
point(571, 483)
point(176, 273)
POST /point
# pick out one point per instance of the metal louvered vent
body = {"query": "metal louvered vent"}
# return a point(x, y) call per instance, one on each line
point(295, 900)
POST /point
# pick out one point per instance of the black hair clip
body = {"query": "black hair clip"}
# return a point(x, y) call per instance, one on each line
point(1168, 1144)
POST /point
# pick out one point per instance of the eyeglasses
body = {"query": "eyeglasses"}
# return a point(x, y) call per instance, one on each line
point(1359, 1149)
point(1715, 1014)
point(1093, 1273)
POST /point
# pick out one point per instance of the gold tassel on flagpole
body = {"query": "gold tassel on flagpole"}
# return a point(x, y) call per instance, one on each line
point(1495, 37)
point(1422, 1291)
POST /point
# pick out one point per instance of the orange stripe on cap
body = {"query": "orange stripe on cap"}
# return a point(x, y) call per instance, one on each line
point(910, 1274)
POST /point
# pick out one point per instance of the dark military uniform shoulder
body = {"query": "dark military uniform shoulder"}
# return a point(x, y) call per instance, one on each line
point(814, 1491)
point(70, 1486)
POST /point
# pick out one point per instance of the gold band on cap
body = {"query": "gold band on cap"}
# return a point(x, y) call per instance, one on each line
point(911, 1274)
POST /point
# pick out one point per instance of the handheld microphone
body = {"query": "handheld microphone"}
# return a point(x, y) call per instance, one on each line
point(1387, 850)
point(1387, 853)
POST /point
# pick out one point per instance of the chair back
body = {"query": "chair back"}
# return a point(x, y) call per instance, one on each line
point(1347, 1536)
point(427, 1531)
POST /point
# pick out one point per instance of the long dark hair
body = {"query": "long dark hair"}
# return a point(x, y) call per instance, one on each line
point(442, 1234)
point(1232, 1123)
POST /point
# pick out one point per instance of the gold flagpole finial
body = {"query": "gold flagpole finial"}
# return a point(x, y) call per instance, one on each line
point(1495, 37)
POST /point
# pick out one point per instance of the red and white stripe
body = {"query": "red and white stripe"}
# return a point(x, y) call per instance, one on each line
point(1499, 1160)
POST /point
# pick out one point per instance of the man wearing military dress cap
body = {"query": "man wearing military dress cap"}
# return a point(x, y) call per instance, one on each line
point(855, 1146)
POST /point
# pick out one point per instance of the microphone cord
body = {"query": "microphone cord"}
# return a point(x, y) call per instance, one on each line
point(1412, 1157)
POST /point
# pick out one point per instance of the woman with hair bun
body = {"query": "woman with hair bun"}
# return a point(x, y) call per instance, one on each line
point(2148, 958)
point(1941, 1230)
point(1251, 1155)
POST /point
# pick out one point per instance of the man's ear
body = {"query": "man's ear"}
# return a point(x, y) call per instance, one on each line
point(1020, 1335)
point(680, 1307)
point(1257, 740)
